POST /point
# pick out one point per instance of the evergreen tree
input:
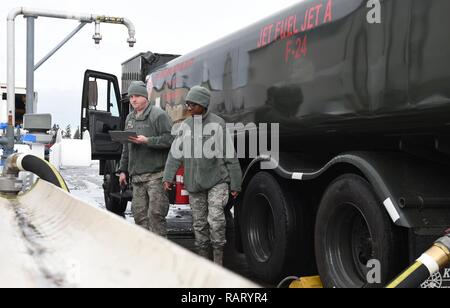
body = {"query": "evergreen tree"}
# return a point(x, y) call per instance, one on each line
point(68, 133)
point(77, 134)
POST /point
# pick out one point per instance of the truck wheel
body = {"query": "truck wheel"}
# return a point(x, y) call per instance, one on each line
point(111, 185)
point(276, 242)
point(356, 244)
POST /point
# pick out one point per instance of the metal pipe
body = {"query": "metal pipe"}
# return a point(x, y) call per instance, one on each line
point(11, 77)
point(88, 18)
point(61, 44)
point(26, 162)
point(131, 32)
point(30, 65)
point(7, 142)
point(118, 20)
point(97, 36)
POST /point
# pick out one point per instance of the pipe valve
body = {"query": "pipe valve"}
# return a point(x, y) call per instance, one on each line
point(97, 37)
point(131, 41)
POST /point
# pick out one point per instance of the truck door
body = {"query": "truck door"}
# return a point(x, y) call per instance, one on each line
point(100, 113)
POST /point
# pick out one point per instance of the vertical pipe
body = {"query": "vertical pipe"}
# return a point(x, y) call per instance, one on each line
point(10, 43)
point(30, 65)
point(11, 72)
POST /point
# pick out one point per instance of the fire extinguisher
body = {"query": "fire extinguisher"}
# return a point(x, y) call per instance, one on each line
point(181, 194)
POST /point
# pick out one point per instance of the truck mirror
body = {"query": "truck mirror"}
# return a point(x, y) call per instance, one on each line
point(93, 93)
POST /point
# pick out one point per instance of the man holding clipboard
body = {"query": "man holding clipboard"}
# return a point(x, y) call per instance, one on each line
point(144, 157)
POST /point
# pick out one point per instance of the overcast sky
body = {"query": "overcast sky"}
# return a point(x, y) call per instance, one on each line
point(175, 27)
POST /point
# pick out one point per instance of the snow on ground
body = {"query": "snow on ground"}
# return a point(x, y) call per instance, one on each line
point(85, 183)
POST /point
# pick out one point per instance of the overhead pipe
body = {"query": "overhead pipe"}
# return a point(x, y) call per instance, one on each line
point(27, 12)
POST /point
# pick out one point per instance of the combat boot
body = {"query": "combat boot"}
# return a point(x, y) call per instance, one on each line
point(218, 256)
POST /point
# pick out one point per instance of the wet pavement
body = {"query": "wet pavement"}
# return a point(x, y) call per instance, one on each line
point(233, 260)
point(86, 184)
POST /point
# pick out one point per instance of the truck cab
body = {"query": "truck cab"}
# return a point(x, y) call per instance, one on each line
point(105, 108)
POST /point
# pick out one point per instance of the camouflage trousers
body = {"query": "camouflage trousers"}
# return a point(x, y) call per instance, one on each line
point(150, 206)
point(209, 217)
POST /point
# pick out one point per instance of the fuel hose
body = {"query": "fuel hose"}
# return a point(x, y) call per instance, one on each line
point(431, 262)
point(38, 166)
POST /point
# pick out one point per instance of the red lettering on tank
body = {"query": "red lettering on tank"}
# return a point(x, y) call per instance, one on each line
point(288, 51)
point(265, 36)
point(278, 29)
point(289, 27)
point(302, 49)
point(269, 33)
point(296, 49)
point(259, 44)
point(318, 8)
point(310, 19)
point(313, 14)
point(168, 72)
point(304, 26)
point(283, 30)
point(328, 12)
point(295, 25)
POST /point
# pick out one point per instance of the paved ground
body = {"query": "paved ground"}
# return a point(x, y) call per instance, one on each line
point(86, 184)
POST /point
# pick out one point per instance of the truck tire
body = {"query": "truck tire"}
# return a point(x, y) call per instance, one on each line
point(276, 241)
point(111, 185)
point(352, 232)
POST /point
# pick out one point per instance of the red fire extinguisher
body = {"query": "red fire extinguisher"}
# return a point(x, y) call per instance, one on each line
point(181, 196)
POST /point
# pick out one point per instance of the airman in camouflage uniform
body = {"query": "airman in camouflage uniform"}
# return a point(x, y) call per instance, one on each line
point(208, 209)
point(208, 180)
point(144, 160)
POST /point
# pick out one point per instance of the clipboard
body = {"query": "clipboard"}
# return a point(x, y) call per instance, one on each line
point(122, 136)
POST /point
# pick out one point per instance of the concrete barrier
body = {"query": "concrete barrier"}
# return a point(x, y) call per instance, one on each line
point(51, 239)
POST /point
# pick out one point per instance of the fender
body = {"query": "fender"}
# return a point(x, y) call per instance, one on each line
point(414, 192)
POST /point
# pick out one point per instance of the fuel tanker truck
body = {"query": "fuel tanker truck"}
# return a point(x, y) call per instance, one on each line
point(51, 239)
point(357, 110)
